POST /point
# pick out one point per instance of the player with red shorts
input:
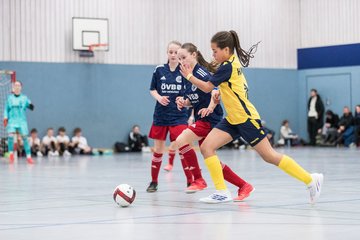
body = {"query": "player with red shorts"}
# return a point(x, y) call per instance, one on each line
point(166, 86)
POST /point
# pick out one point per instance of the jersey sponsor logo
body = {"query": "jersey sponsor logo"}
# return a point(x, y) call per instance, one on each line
point(193, 88)
point(163, 78)
point(193, 97)
point(170, 87)
point(178, 79)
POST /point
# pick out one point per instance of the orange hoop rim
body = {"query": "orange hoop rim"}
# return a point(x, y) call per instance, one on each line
point(94, 46)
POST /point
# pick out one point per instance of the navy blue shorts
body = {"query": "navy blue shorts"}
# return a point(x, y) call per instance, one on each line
point(251, 130)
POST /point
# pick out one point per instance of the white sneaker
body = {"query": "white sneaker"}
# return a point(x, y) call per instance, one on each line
point(220, 196)
point(352, 145)
point(39, 154)
point(146, 149)
point(67, 153)
point(315, 187)
point(56, 153)
point(50, 154)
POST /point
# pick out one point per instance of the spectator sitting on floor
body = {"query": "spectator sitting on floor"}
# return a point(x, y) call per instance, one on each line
point(345, 132)
point(137, 141)
point(80, 143)
point(49, 143)
point(287, 136)
point(329, 129)
point(35, 144)
point(63, 142)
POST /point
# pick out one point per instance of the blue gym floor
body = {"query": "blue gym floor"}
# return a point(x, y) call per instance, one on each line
point(71, 198)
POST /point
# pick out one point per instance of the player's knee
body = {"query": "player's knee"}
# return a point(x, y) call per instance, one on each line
point(271, 157)
point(180, 141)
point(159, 147)
point(206, 149)
point(159, 150)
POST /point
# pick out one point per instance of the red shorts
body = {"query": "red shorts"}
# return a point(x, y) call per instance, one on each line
point(160, 132)
point(201, 129)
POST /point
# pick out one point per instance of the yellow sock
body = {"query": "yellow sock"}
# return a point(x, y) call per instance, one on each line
point(288, 165)
point(215, 169)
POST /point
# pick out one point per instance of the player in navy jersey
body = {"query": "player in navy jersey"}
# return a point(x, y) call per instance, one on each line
point(207, 114)
point(166, 86)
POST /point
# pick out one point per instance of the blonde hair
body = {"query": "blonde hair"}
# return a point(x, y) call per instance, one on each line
point(175, 43)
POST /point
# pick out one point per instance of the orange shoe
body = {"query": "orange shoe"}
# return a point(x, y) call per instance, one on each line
point(244, 192)
point(168, 167)
point(198, 185)
point(11, 158)
point(30, 161)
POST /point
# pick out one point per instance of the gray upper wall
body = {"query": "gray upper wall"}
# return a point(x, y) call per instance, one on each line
point(41, 30)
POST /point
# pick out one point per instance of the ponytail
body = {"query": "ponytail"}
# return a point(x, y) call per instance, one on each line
point(211, 67)
point(231, 40)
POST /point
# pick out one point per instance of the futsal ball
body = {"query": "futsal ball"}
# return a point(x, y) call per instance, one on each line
point(124, 195)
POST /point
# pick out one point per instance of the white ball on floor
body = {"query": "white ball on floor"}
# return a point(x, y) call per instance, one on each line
point(124, 195)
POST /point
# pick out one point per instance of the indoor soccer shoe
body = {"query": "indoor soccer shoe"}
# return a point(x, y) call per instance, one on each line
point(168, 167)
point(30, 161)
point(315, 187)
point(11, 158)
point(67, 153)
point(152, 187)
point(244, 192)
point(197, 185)
point(220, 196)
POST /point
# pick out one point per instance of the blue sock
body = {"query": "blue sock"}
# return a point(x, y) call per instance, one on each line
point(26, 146)
point(11, 143)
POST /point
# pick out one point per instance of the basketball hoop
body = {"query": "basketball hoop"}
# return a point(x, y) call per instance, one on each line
point(92, 48)
point(97, 47)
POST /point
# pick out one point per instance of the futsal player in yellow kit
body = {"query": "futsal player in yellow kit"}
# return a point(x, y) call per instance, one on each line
point(242, 119)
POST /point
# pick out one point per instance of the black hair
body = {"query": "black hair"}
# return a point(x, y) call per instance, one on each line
point(231, 40)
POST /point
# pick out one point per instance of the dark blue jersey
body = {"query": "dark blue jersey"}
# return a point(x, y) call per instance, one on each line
point(168, 83)
point(200, 99)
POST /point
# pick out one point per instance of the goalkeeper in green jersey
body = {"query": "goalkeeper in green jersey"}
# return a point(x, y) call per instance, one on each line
point(15, 120)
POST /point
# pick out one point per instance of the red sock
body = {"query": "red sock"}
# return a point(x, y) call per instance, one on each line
point(188, 174)
point(171, 156)
point(232, 177)
point(190, 156)
point(155, 166)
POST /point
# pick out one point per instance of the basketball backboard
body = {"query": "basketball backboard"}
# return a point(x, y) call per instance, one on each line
point(90, 31)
